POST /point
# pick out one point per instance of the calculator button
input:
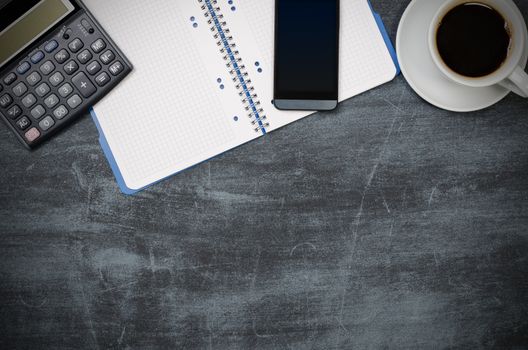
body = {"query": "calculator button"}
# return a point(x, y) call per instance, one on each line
point(71, 67)
point(10, 79)
point(14, 112)
point(37, 57)
point(84, 85)
point(84, 56)
point(29, 100)
point(46, 123)
point(60, 112)
point(23, 68)
point(107, 57)
point(65, 90)
point(23, 123)
point(32, 134)
point(76, 45)
point(51, 101)
point(38, 112)
point(5, 100)
point(102, 79)
point(62, 56)
point(98, 45)
point(74, 101)
point(116, 68)
point(67, 34)
point(93, 68)
point(42, 90)
point(20, 89)
point(47, 67)
point(33, 79)
point(56, 79)
point(86, 25)
point(51, 46)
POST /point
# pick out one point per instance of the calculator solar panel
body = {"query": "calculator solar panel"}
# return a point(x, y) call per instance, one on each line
point(55, 63)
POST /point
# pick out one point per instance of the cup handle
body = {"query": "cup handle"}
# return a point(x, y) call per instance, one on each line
point(517, 82)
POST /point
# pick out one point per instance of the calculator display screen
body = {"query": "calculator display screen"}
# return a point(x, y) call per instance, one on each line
point(24, 21)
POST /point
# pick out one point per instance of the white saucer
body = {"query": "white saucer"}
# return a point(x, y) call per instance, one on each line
point(422, 74)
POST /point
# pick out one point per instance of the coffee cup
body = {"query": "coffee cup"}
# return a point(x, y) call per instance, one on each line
point(480, 62)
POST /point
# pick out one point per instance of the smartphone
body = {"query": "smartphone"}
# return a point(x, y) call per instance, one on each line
point(306, 54)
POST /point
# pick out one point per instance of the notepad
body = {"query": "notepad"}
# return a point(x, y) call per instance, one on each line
point(203, 79)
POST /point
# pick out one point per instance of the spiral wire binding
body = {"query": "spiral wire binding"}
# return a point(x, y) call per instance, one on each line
point(235, 65)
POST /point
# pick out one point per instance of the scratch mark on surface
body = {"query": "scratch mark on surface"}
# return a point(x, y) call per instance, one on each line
point(437, 263)
point(357, 222)
point(372, 173)
point(361, 205)
point(89, 316)
point(89, 195)
point(124, 285)
point(341, 308)
point(431, 197)
point(369, 182)
point(402, 123)
point(404, 92)
point(255, 271)
point(252, 292)
point(404, 198)
point(30, 167)
point(209, 174)
point(340, 322)
point(227, 197)
point(123, 226)
point(301, 244)
point(255, 330)
point(120, 340)
point(196, 267)
point(401, 126)
point(385, 203)
point(31, 306)
point(391, 228)
point(77, 171)
point(392, 104)
point(84, 147)
point(210, 336)
point(101, 277)
point(152, 260)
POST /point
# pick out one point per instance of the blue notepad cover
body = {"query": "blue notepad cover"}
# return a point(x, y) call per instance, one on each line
point(387, 39)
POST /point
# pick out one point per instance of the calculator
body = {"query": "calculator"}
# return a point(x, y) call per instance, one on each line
point(56, 62)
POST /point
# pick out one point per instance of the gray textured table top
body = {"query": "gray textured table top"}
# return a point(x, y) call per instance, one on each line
point(387, 223)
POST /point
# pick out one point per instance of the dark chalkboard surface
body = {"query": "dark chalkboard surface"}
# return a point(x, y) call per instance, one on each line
point(386, 224)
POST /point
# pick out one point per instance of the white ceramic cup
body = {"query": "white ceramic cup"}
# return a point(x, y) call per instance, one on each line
point(511, 74)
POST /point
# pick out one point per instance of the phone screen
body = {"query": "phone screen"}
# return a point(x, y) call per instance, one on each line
point(306, 49)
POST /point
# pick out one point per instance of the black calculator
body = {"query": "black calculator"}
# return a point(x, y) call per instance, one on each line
point(56, 62)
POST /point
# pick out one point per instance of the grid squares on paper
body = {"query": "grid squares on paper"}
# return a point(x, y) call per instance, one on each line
point(260, 15)
point(172, 118)
point(365, 60)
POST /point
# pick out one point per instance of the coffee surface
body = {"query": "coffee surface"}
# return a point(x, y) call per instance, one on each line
point(473, 39)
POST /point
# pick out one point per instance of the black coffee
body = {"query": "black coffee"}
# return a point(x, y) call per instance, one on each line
point(473, 39)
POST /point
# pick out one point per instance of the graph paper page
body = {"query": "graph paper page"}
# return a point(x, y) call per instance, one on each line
point(178, 107)
point(365, 61)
